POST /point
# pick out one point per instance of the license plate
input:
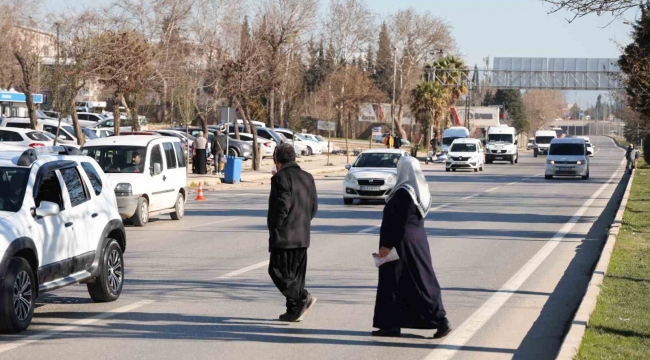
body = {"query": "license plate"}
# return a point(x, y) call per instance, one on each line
point(566, 169)
point(370, 188)
point(498, 157)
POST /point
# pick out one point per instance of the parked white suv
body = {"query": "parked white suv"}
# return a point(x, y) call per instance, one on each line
point(149, 173)
point(59, 225)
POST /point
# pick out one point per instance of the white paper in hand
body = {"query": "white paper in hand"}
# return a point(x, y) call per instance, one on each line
point(392, 256)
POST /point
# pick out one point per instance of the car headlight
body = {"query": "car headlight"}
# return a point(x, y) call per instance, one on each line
point(550, 162)
point(246, 146)
point(350, 178)
point(579, 162)
point(391, 180)
point(123, 189)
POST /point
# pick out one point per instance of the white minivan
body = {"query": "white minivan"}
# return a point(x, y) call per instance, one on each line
point(451, 134)
point(543, 140)
point(149, 173)
point(502, 144)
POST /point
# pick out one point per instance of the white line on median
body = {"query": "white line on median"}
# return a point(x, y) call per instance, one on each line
point(244, 270)
point(512, 183)
point(493, 189)
point(83, 322)
point(469, 197)
point(480, 317)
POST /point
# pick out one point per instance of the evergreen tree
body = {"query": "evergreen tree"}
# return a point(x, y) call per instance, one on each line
point(513, 106)
point(244, 35)
point(488, 100)
point(370, 62)
point(384, 63)
point(312, 69)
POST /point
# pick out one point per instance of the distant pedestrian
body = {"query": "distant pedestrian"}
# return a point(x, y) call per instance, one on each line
point(434, 145)
point(408, 293)
point(632, 156)
point(397, 142)
point(200, 158)
point(293, 203)
point(388, 141)
point(218, 150)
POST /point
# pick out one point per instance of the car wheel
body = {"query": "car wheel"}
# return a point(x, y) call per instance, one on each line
point(179, 208)
point(108, 285)
point(548, 177)
point(476, 170)
point(586, 177)
point(447, 169)
point(348, 201)
point(141, 216)
point(17, 296)
point(512, 161)
point(482, 167)
point(454, 170)
point(517, 159)
point(309, 151)
point(233, 152)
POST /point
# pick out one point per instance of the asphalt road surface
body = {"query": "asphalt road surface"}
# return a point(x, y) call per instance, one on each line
point(512, 251)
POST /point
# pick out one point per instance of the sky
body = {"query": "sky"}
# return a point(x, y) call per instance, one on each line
point(500, 28)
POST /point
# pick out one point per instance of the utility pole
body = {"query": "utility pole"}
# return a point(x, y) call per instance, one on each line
point(392, 105)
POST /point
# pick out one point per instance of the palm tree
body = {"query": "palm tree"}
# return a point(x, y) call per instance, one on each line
point(431, 97)
point(451, 72)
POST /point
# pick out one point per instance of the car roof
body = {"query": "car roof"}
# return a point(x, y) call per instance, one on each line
point(466, 141)
point(384, 151)
point(19, 130)
point(545, 132)
point(130, 140)
point(567, 141)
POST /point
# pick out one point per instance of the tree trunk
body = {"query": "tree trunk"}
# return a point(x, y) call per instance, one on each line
point(204, 122)
point(116, 113)
point(165, 110)
point(245, 117)
point(81, 138)
point(27, 89)
point(272, 108)
point(398, 121)
point(135, 122)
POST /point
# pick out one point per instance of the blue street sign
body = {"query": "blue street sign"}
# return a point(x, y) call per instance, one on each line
point(7, 96)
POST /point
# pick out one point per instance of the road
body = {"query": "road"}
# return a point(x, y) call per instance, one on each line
point(512, 252)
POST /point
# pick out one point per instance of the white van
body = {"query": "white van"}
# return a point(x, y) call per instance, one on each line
point(502, 144)
point(451, 134)
point(148, 171)
point(543, 140)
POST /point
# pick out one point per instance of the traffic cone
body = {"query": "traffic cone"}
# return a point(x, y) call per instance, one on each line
point(199, 195)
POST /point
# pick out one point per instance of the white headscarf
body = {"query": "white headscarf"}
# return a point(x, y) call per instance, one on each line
point(411, 179)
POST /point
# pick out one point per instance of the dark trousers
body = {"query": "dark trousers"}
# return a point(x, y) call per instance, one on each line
point(287, 268)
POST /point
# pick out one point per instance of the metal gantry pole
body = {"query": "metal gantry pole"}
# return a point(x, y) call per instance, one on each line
point(392, 105)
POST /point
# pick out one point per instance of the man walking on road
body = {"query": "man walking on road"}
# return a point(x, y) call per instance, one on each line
point(292, 206)
point(631, 155)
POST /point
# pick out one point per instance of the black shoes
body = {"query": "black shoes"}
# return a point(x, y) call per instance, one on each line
point(443, 330)
point(395, 332)
point(298, 314)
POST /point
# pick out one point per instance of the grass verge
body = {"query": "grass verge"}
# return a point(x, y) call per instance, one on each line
point(620, 326)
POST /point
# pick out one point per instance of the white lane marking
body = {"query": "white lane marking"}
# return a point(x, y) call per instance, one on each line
point(244, 270)
point(480, 317)
point(470, 197)
point(512, 183)
point(493, 189)
point(61, 329)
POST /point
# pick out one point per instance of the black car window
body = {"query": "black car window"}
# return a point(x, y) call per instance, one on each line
point(82, 116)
point(156, 158)
point(179, 155)
point(13, 182)
point(49, 190)
point(38, 136)
point(19, 125)
point(75, 186)
point(170, 156)
point(95, 179)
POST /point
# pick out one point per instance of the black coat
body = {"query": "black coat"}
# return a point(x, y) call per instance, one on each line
point(292, 205)
point(408, 293)
point(218, 144)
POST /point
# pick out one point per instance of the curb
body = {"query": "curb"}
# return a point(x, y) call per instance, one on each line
point(616, 141)
point(573, 339)
point(260, 181)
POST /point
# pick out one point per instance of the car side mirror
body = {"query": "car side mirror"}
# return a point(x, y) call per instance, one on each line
point(348, 166)
point(48, 209)
point(157, 168)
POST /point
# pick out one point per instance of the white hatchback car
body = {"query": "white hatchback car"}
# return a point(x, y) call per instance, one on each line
point(466, 154)
point(567, 157)
point(24, 137)
point(59, 225)
point(372, 176)
point(149, 173)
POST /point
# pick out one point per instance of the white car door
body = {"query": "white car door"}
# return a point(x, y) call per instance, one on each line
point(173, 177)
point(81, 212)
point(54, 232)
point(158, 182)
point(98, 205)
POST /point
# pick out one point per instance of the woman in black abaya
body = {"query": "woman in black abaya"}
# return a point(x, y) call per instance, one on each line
point(408, 294)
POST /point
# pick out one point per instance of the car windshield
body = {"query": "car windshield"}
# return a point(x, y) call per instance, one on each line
point(41, 115)
point(377, 160)
point(118, 159)
point(506, 138)
point(319, 138)
point(448, 140)
point(38, 136)
point(89, 134)
point(463, 148)
point(13, 182)
point(544, 139)
point(567, 149)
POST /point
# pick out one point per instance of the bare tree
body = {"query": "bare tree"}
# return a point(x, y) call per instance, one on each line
point(417, 37)
point(581, 8)
point(542, 106)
